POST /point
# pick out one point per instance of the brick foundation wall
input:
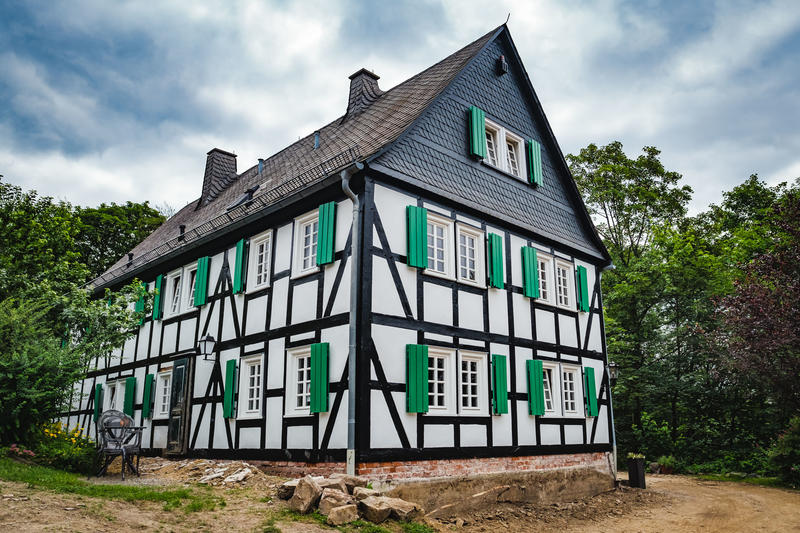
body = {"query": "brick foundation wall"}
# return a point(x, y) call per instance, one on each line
point(440, 467)
point(490, 465)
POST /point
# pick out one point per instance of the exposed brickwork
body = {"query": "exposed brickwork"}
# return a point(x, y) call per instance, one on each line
point(464, 467)
point(299, 469)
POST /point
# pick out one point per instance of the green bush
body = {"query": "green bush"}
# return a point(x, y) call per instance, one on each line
point(667, 462)
point(785, 454)
point(66, 449)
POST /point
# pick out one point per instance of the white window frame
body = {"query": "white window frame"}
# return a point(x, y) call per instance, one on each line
point(115, 401)
point(502, 136)
point(551, 282)
point(297, 264)
point(480, 254)
point(169, 297)
point(293, 357)
point(252, 268)
point(244, 387)
point(578, 377)
point(158, 414)
point(448, 356)
point(555, 385)
point(187, 292)
point(448, 245)
point(483, 384)
point(570, 284)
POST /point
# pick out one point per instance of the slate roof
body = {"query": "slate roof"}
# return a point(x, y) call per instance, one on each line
point(374, 119)
point(365, 131)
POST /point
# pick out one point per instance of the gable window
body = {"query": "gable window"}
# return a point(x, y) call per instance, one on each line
point(470, 264)
point(306, 230)
point(163, 390)
point(563, 284)
point(492, 135)
point(439, 245)
point(250, 387)
point(173, 298)
point(260, 258)
point(191, 283)
point(472, 383)
point(504, 149)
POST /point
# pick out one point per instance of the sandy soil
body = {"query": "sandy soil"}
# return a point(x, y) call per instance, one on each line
point(674, 504)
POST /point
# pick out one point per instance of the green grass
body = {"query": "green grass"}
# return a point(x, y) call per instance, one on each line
point(41, 477)
point(765, 481)
point(416, 527)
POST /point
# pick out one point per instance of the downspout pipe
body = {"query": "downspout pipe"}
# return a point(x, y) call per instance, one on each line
point(355, 282)
point(614, 467)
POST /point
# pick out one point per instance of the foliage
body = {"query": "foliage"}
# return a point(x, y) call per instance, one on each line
point(66, 449)
point(42, 477)
point(785, 454)
point(107, 232)
point(635, 455)
point(667, 461)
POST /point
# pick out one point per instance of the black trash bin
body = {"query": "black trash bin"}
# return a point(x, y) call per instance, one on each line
point(636, 473)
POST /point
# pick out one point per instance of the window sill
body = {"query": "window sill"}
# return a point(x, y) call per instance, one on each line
point(501, 171)
point(257, 288)
point(304, 273)
point(249, 416)
point(298, 413)
point(472, 283)
point(437, 274)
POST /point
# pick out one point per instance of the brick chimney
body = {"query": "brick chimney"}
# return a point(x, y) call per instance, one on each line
point(363, 91)
point(220, 172)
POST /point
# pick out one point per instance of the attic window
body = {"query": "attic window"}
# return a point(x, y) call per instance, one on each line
point(503, 149)
point(244, 198)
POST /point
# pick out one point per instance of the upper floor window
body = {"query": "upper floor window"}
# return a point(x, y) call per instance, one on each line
point(306, 230)
point(470, 255)
point(503, 149)
point(440, 248)
point(564, 283)
point(191, 282)
point(260, 258)
point(173, 296)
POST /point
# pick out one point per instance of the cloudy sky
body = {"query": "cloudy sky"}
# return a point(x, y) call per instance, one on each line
point(112, 101)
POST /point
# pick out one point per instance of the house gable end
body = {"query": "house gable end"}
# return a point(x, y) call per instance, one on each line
point(434, 152)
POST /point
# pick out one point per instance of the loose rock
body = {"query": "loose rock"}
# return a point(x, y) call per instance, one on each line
point(350, 481)
point(359, 493)
point(375, 508)
point(337, 484)
point(332, 498)
point(401, 509)
point(338, 516)
point(239, 476)
point(306, 495)
point(286, 490)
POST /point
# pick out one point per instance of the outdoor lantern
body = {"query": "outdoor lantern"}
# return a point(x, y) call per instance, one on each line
point(613, 372)
point(206, 347)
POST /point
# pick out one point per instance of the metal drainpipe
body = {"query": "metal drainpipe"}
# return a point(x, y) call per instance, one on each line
point(355, 271)
point(610, 402)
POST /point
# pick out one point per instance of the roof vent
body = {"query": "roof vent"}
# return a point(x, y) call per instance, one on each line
point(220, 172)
point(363, 91)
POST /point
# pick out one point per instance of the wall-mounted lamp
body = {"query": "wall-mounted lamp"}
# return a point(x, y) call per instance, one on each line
point(613, 372)
point(205, 347)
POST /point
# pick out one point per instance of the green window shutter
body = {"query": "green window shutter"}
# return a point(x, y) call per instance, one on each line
point(319, 377)
point(230, 389)
point(583, 289)
point(535, 387)
point(496, 261)
point(158, 308)
point(417, 232)
point(499, 384)
point(201, 281)
point(416, 378)
point(130, 395)
point(147, 396)
point(530, 272)
point(590, 391)
point(239, 267)
point(534, 158)
point(327, 233)
point(98, 401)
point(477, 132)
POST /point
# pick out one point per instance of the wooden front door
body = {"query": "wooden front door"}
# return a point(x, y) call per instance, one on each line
point(178, 409)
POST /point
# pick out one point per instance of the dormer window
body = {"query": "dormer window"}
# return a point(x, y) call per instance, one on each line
point(503, 149)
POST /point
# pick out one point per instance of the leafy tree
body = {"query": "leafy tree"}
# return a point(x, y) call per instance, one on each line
point(108, 232)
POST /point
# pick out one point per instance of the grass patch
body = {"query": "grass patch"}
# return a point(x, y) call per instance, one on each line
point(416, 527)
point(42, 477)
point(764, 481)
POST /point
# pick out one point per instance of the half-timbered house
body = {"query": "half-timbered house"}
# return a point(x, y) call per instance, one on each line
point(417, 281)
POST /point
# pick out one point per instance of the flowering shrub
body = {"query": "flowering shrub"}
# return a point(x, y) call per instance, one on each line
point(66, 449)
point(15, 450)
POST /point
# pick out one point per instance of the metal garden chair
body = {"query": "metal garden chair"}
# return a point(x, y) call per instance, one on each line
point(119, 437)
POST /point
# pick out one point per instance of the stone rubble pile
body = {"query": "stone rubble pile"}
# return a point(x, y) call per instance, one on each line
point(343, 498)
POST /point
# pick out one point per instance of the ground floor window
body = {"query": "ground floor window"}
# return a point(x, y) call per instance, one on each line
point(163, 391)
point(250, 387)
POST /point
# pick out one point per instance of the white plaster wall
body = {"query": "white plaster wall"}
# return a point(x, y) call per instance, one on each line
point(299, 437)
point(392, 208)
point(438, 305)
point(472, 435)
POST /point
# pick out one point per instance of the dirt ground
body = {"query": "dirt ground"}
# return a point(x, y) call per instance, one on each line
point(674, 504)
